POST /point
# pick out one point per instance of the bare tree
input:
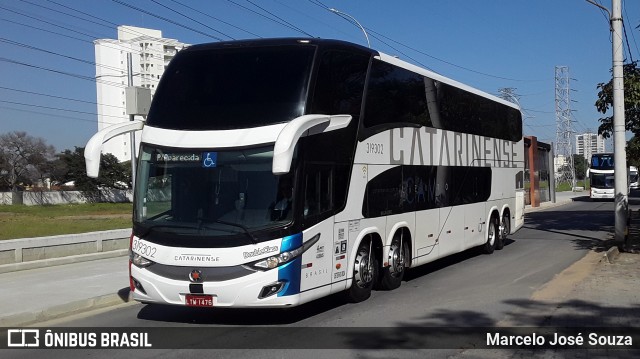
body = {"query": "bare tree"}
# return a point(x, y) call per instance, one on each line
point(23, 158)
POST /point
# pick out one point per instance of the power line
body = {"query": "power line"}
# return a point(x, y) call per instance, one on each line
point(166, 19)
point(120, 47)
point(64, 13)
point(278, 17)
point(321, 5)
point(82, 77)
point(55, 115)
point(624, 30)
point(288, 25)
point(58, 97)
point(632, 35)
point(83, 13)
point(451, 63)
point(58, 109)
point(16, 43)
point(215, 18)
point(192, 19)
point(46, 22)
point(45, 30)
point(110, 25)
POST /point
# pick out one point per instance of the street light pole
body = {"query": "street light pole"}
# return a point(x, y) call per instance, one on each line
point(342, 14)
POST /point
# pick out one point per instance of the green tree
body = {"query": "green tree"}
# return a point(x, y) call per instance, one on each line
point(113, 174)
point(631, 109)
point(580, 166)
point(631, 102)
point(633, 151)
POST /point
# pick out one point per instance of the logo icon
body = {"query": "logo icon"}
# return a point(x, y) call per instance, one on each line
point(23, 338)
point(196, 276)
point(210, 159)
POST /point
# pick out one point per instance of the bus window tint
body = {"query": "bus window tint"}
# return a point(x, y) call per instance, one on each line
point(232, 88)
point(339, 83)
point(395, 95)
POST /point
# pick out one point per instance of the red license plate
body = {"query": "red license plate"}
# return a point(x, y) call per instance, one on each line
point(199, 300)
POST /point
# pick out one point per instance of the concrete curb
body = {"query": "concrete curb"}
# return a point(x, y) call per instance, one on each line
point(13, 267)
point(547, 205)
point(23, 319)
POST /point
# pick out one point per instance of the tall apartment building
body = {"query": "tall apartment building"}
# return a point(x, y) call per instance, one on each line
point(589, 143)
point(151, 54)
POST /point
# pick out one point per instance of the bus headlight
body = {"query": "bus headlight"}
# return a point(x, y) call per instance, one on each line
point(284, 257)
point(139, 261)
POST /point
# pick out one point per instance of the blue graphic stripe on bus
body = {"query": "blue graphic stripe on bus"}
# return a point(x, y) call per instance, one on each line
point(291, 242)
point(291, 272)
point(210, 159)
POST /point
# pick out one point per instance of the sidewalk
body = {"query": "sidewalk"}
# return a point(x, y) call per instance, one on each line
point(36, 295)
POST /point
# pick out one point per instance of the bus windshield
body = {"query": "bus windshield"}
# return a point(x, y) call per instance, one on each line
point(211, 193)
point(222, 89)
point(602, 180)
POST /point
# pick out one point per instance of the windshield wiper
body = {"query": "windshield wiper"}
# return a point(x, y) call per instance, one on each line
point(238, 225)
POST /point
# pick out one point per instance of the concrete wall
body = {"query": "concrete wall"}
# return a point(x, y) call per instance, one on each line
point(13, 251)
point(62, 197)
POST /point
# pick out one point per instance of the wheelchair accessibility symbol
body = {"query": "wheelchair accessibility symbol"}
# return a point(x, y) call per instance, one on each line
point(210, 159)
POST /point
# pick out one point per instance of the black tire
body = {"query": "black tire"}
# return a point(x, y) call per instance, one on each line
point(391, 276)
point(365, 274)
point(505, 229)
point(493, 236)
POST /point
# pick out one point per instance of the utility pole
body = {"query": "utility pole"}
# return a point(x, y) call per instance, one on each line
point(619, 141)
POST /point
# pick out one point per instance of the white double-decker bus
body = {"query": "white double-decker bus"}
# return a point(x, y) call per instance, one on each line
point(601, 176)
point(275, 172)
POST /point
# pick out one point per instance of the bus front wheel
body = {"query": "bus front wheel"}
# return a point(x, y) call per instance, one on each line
point(365, 273)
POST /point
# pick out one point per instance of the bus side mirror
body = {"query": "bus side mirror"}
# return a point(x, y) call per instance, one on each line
point(305, 125)
point(94, 147)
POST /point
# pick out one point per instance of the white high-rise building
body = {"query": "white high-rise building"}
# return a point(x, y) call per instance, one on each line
point(589, 143)
point(151, 54)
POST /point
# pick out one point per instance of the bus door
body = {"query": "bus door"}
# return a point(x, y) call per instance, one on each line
point(319, 269)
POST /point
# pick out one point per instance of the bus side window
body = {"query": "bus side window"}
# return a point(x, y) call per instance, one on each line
point(318, 193)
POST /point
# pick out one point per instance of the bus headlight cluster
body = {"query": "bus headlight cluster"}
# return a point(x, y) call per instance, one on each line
point(284, 257)
point(138, 260)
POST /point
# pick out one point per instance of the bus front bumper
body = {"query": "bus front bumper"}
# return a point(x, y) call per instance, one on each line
point(259, 289)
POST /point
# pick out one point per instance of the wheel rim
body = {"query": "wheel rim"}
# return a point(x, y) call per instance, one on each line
point(396, 260)
point(492, 233)
point(504, 227)
point(363, 269)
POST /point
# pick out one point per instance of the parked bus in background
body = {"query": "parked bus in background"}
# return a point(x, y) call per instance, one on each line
point(601, 176)
point(274, 172)
point(633, 177)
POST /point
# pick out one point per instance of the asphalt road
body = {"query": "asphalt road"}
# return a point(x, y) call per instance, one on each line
point(465, 290)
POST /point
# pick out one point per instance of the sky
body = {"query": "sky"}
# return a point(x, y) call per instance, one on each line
point(47, 60)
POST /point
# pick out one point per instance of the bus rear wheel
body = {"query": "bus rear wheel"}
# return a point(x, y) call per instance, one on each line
point(392, 275)
point(505, 229)
point(493, 236)
point(365, 273)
